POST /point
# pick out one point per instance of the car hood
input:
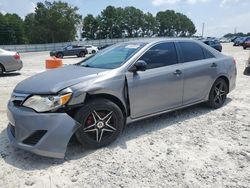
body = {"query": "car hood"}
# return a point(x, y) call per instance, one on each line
point(52, 81)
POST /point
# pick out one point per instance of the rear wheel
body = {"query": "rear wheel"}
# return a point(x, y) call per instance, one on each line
point(59, 55)
point(93, 51)
point(81, 54)
point(1, 70)
point(246, 71)
point(102, 122)
point(218, 94)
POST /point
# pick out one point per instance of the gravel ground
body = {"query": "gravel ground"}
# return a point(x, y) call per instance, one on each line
point(193, 147)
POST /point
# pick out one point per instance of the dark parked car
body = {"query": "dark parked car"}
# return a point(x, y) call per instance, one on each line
point(234, 38)
point(214, 44)
point(70, 50)
point(131, 81)
point(104, 46)
point(247, 69)
point(9, 61)
point(246, 43)
point(239, 41)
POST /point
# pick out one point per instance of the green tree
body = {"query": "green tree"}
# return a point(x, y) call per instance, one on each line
point(167, 23)
point(90, 26)
point(150, 25)
point(133, 21)
point(108, 19)
point(174, 24)
point(52, 22)
point(11, 29)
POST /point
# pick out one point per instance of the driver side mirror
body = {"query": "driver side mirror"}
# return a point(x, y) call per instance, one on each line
point(140, 65)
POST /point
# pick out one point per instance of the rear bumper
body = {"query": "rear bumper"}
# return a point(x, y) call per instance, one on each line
point(17, 65)
point(52, 53)
point(45, 134)
point(232, 80)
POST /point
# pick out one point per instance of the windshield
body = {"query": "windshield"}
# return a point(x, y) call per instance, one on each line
point(113, 56)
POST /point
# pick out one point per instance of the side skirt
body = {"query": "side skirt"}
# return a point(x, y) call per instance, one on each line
point(130, 120)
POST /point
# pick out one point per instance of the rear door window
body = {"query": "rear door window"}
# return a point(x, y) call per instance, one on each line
point(191, 51)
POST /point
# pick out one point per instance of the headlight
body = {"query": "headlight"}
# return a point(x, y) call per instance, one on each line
point(47, 103)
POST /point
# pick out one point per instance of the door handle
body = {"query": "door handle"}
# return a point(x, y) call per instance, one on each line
point(214, 65)
point(177, 72)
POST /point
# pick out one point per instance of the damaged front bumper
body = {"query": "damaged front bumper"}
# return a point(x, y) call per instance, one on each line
point(45, 134)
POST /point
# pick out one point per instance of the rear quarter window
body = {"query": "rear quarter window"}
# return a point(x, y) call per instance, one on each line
point(208, 54)
point(191, 51)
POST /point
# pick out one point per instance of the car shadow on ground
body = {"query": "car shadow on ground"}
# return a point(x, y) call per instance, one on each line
point(10, 74)
point(27, 161)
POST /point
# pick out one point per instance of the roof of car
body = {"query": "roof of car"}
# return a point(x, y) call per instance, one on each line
point(155, 40)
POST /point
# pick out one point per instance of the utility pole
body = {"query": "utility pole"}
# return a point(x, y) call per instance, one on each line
point(235, 30)
point(203, 27)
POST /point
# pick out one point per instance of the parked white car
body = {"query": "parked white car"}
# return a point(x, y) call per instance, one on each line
point(225, 40)
point(91, 49)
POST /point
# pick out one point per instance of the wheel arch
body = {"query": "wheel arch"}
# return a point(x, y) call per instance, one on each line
point(60, 52)
point(110, 97)
point(225, 78)
point(2, 67)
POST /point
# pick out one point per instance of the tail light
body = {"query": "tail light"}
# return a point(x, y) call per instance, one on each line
point(17, 56)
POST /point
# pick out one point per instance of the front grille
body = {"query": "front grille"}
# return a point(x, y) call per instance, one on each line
point(18, 98)
point(34, 138)
point(17, 102)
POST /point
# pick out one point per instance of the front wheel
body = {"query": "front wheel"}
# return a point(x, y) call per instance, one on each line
point(218, 94)
point(102, 122)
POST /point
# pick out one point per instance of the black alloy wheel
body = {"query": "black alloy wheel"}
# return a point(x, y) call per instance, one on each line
point(102, 122)
point(218, 94)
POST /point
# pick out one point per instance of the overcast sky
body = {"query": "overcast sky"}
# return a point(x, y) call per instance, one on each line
point(220, 16)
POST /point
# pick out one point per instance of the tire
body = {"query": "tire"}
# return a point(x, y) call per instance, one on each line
point(246, 71)
point(81, 54)
point(244, 48)
point(1, 70)
point(93, 51)
point(102, 122)
point(218, 94)
point(59, 55)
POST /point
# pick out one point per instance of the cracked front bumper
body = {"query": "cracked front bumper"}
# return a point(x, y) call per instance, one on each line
point(45, 134)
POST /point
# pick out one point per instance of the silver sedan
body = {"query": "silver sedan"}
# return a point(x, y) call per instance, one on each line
point(9, 61)
point(95, 98)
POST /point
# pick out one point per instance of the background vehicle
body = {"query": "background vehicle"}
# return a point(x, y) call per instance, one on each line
point(247, 69)
point(225, 40)
point(104, 46)
point(70, 50)
point(91, 49)
point(214, 44)
point(239, 41)
point(234, 38)
point(9, 61)
point(246, 43)
point(126, 82)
